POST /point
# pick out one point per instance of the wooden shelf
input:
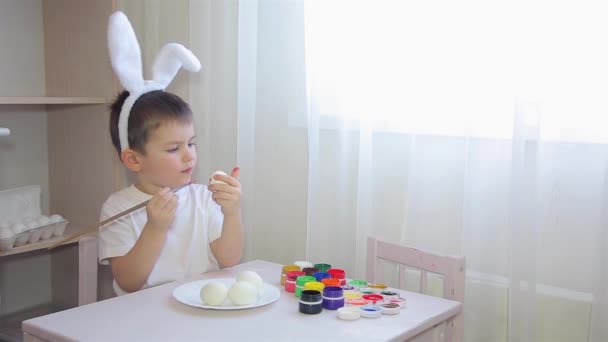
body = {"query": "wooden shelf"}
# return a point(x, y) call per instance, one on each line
point(70, 229)
point(45, 100)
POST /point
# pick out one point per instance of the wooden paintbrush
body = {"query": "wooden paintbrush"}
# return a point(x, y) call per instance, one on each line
point(106, 221)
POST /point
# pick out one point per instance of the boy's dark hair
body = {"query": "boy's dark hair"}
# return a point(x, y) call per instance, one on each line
point(151, 110)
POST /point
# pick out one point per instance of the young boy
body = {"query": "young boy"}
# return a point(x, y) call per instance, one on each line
point(180, 233)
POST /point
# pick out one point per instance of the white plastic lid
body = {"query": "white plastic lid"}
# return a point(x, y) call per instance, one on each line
point(400, 301)
point(390, 309)
point(349, 313)
point(370, 311)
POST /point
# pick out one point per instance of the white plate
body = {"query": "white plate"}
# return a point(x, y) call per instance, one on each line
point(189, 294)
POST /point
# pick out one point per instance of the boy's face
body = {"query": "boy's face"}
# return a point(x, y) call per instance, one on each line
point(170, 155)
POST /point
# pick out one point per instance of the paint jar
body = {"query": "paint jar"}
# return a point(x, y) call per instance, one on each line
point(331, 282)
point(358, 302)
point(338, 274)
point(390, 309)
point(322, 267)
point(357, 284)
point(377, 288)
point(366, 290)
point(287, 268)
point(303, 264)
point(388, 295)
point(310, 270)
point(351, 294)
point(314, 285)
point(371, 311)
point(373, 298)
point(290, 281)
point(349, 313)
point(321, 275)
point(348, 287)
point(311, 302)
point(399, 301)
point(300, 282)
point(333, 298)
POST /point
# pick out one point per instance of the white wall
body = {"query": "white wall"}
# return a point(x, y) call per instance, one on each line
point(23, 154)
point(24, 280)
point(21, 60)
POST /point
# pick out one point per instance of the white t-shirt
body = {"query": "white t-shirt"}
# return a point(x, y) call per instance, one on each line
point(198, 222)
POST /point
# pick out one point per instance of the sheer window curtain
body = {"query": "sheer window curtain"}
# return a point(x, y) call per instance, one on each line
point(466, 127)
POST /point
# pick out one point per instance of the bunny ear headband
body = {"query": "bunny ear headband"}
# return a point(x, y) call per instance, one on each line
point(125, 55)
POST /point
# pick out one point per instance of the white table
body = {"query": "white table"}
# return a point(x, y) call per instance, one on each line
point(154, 315)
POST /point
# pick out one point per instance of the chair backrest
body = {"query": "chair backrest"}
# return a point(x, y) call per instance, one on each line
point(451, 268)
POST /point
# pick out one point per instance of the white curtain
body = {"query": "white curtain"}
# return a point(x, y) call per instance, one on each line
point(467, 127)
point(463, 127)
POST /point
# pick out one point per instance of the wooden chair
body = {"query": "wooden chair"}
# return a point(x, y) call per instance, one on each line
point(451, 268)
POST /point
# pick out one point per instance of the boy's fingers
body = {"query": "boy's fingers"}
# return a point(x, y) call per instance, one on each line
point(221, 187)
point(225, 196)
point(160, 195)
point(166, 199)
point(221, 195)
point(235, 172)
point(228, 179)
point(172, 203)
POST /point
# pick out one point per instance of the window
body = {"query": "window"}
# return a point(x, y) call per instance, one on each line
point(460, 67)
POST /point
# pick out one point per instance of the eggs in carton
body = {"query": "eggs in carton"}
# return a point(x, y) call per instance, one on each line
point(19, 232)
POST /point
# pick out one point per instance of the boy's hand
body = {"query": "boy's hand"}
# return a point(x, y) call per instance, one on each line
point(228, 196)
point(161, 209)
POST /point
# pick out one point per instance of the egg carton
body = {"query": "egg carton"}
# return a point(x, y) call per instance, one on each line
point(9, 238)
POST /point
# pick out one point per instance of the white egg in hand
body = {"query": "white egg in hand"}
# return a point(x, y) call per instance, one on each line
point(243, 293)
point(215, 181)
point(214, 293)
point(251, 277)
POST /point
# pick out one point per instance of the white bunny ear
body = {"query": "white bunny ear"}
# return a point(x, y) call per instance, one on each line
point(171, 57)
point(125, 53)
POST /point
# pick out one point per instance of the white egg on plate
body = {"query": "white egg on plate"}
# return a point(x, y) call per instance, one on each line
point(251, 277)
point(215, 181)
point(214, 293)
point(243, 293)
